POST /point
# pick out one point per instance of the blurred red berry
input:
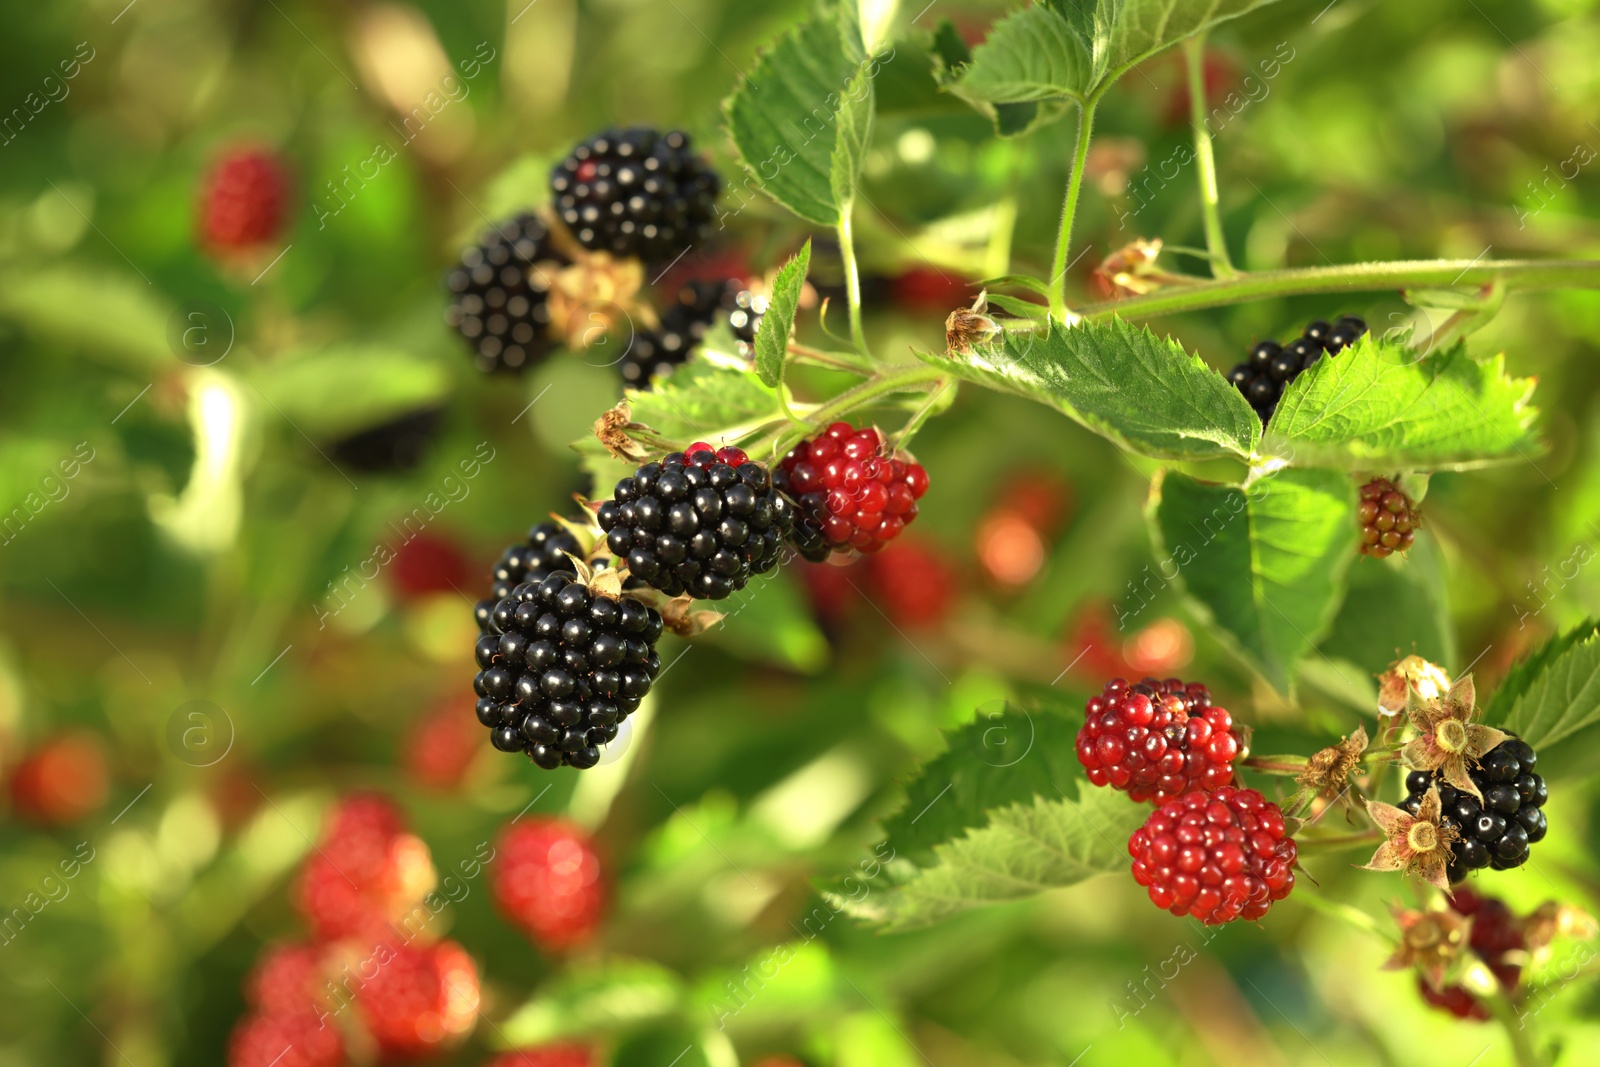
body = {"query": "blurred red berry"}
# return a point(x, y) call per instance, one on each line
point(926, 288)
point(1497, 938)
point(547, 881)
point(561, 1055)
point(1009, 548)
point(245, 201)
point(429, 563)
point(828, 587)
point(62, 781)
point(418, 998)
point(1218, 74)
point(913, 582)
point(299, 1040)
point(288, 979)
point(442, 744)
point(365, 873)
point(1093, 648)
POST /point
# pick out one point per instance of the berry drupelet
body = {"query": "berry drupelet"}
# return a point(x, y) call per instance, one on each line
point(848, 492)
point(1496, 832)
point(1218, 856)
point(635, 192)
point(545, 552)
point(1264, 376)
point(699, 522)
point(1157, 740)
point(561, 666)
point(499, 294)
point(1388, 519)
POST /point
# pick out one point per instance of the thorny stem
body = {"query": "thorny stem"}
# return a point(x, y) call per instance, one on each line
point(1353, 278)
point(845, 361)
point(1205, 162)
point(913, 424)
point(1069, 210)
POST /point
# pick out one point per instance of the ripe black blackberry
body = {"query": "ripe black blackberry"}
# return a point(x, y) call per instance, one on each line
point(1497, 832)
point(561, 666)
point(396, 446)
point(699, 523)
point(635, 192)
point(1264, 376)
point(499, 294)
point(542, 554)
point(696, 308)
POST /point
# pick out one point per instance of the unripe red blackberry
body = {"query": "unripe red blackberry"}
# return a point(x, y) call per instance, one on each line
point(246, 198)
point(635, 192)
point(499, 294)
point(913, 582)
point(1157, 740)
point(1497, 939)
point(1264, 376)
point(547, 550)
point(299, 1040)
point(699, 522)
point(548, 881)
point(428, 563)
point(366, 872)
point(1496, 832)
point(561, 667)
point(1388, 518)
point(288, 979)
point(419, 998)
point(61, 782)
point(1218, 856)
point(848, 492)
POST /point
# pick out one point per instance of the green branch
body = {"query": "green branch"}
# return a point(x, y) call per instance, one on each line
point(1205, 162)
point(1355, 278)
point(1069, 211)
point(852, 279)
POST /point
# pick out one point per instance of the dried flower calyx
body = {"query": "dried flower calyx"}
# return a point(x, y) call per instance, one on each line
point(1431, 941)
point(1449, 740)
point(1412, 673)
point(1416, 844)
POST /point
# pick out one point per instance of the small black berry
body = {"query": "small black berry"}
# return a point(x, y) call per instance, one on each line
point(498, 294)
point(1497, 832)
point(635, 192)
point(544, 552)
point(394, 447)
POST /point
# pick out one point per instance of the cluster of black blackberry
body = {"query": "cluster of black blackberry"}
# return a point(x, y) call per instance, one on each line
point(499, 294)
point(701, 522)
point(1496, 832)
point(561, 666)
point(549, 549)
point(635, 192)
point(1271, 367)
point(697, 306)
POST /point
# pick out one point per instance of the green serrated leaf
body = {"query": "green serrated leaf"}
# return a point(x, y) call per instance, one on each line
point(1024, 849)
point(1072, 50)
point(854, 131)
point(1416, 615)
point(1123, 382)
point(784, 116)
point(1265, 563)
point(1026, 309)
point(949, 47)
point(772, 336)
point(1378, 406)
point(1554, 695)
point(1007, 755)
point(609, 999)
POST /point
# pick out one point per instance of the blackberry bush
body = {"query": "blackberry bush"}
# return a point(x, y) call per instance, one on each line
point(699, 522)
point(1497, 831)
point(1218, 856)
point(1271, 367)
point(848, 492)
point(549, 549)
point(635, 192)
point(499, 295)
point(1157, 740)
point(561, 666)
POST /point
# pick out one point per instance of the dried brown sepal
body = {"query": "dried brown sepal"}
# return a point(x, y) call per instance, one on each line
point(1431, 941)
point(611, 430)
point(1131, 270)
point(966, 327)
point(679, 617)
point(1416, 844)
point(1449, 740)
point(1413, 672)
point(590, 297)
point(1553, 919)
point(1329, 770)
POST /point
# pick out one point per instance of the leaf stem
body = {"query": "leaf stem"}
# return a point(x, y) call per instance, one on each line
point(1205, 160)
point(913, 424)
point(852, 279)
point(1069, 211)
point(1353, 278)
